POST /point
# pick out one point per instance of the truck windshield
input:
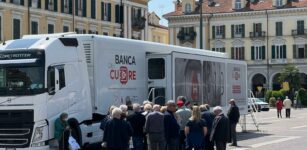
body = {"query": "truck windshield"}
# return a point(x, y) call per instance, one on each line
point(27, 80)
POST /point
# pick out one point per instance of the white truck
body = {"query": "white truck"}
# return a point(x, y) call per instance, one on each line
point(42, 76)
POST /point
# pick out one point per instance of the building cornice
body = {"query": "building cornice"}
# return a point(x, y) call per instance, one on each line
point(240, 14)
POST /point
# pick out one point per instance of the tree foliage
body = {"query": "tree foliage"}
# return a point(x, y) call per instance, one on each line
point(291, 74)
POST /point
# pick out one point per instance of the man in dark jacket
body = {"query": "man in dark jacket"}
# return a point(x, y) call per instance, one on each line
point(171, 126)
point(208, 116)
point(137, 121)
point(233, 116)
point(220, 129)
point(117, 132)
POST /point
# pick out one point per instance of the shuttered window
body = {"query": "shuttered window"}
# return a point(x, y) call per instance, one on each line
point(16, 28)
point(93, 9)
point(279, 29)
point(279, 51)
point(258, 52)
point(50, 28)
point(34, 27)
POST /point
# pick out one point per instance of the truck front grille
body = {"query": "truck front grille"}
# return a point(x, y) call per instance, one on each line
point(16, 127)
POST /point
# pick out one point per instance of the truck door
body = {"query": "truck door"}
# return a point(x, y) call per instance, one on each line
point(159, 78)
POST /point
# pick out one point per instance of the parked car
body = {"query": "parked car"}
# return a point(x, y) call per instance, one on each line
point(258, 104)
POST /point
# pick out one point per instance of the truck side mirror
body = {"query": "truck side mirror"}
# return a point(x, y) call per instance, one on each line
point(51, 80)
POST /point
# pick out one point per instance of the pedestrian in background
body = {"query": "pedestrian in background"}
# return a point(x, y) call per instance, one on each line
point(137, 122)
point(233, 116)
point(171, 126)
point(287, 104)
point(147, 109)
point(220, 129)
point(60, 125)
point(195, 131)
point(154, 127)
point(183, 114)
point(208, 116)
point(163, 109)
point(124, 109)
point(108, 117)
point(279, 106)
point(117, 132)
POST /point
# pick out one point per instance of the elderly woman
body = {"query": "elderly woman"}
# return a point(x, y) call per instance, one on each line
point(117, 132)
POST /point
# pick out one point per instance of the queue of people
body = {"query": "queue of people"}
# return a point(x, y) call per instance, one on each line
point(175, 126)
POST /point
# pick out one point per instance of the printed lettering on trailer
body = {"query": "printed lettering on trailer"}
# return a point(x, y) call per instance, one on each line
point(121, 72)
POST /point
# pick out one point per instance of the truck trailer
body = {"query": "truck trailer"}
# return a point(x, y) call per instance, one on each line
point(42, 76)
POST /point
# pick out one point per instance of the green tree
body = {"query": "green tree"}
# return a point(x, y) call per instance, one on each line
point(291, 74)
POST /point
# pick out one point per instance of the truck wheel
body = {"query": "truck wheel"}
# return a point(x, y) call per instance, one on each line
point(75, 130)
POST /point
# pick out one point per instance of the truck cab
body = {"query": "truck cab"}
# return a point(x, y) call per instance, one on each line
point(35, 78)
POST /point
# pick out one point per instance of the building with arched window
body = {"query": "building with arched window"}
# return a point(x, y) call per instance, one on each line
point(267, 34)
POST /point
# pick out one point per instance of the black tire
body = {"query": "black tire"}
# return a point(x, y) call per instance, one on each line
point(75, 130)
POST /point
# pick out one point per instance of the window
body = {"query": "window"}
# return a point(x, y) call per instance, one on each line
point(16, 28)
point(80, 8)
point(61, 77)
point(278, 28)
point(300, 51)
point(92, 32)
point(35, 3)
point(300, 27)
point(18, 2)
point(80, 31)
point(221, 49)
point(51, 5)
point(156, 68)
point(188, 8)
point(93, 9)
point(105, 33)
point(258, 52)
point(105, 11)
point(279, 3)
point(218, 32)
point(119, 16)
point(34, 27)
point(237, 53)
point(50, 28)
point(51, 80)
point(279, 52)
point(257, 27)
point(65, 28)
point(238, 4)
point(238, 31)
point(66, 6)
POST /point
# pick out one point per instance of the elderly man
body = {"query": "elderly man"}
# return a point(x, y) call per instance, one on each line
point(137, 121)
point(154, 127)
point(171, 126)
point(220, 129)
point(117, 132)
point(233, 116)
point(287, 104)
point(184, 114)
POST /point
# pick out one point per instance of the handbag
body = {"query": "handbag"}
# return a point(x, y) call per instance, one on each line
point(73, 144)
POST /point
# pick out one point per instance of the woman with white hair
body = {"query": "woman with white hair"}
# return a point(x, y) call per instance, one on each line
point(117, 132)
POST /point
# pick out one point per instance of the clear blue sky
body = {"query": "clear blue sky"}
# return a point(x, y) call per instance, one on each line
point(161, 7)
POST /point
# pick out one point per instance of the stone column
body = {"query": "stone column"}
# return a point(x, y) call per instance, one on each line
point(125, 24)
point(129, 22)
point(171, 36)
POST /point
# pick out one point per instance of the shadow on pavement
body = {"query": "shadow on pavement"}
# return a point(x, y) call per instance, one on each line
point(251, 134)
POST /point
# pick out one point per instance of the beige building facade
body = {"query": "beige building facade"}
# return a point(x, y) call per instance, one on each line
point(267, 34)
point(157, 32)
point(121, 18)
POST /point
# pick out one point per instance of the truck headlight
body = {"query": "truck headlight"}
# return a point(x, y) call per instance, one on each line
point(39, 132)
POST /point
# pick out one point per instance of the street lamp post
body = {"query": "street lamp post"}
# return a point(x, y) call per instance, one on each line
point(201, 24)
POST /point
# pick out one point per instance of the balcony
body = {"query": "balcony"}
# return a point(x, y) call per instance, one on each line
point(279, 61)
point(138, 23)
point(254, 35)
point(238, 35)
point(219, 36)
point(299, 32)
point(186, 36)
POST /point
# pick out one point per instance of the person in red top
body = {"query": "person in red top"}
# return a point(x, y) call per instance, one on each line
point(279, 106)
